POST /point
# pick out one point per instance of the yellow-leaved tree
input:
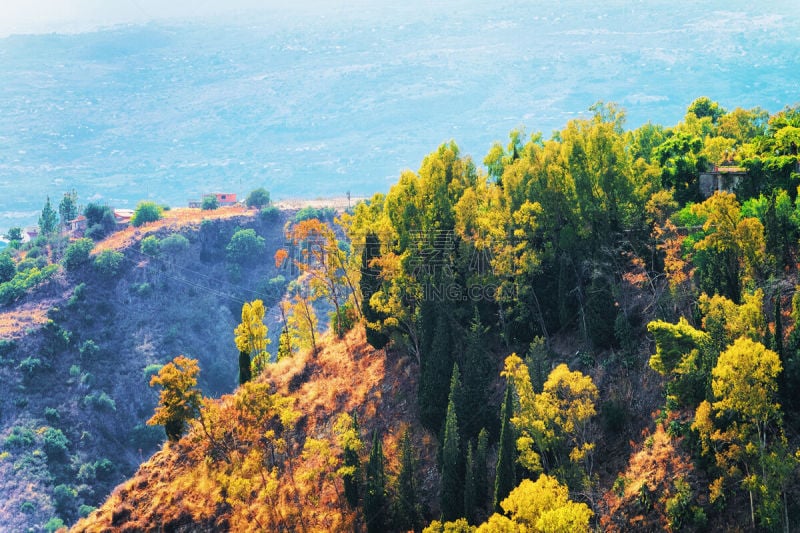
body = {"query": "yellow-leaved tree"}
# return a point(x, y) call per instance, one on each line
point(179, 400)
point(555, 426)
point(741, 430)
point(251, 338)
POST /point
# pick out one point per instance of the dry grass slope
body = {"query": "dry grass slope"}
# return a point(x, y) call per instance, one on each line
point(181, 488)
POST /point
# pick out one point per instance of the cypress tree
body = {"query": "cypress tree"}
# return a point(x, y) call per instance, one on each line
point(452, 496)
point(480, 475)
point(505, 478)
point(351, 460)
point(245, 374)
point(370, 284)
point(477, 374)
point(434, 373)
point(469, 487)
point(48, 219)
point(375, 489)
point(407, 516)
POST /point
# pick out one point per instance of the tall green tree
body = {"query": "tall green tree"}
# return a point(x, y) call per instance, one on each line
point(435, 371)
point(505, 474)
point(407, 516)
point(480, 473)
point(48, 220)
point(349, 434)
point(452, 495)
point(375, 489)
point(68, 207)
point(470, 497)
point(477, 372)
point(370, 283)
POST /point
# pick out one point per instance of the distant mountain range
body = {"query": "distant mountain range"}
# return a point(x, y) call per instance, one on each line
point(343, 100)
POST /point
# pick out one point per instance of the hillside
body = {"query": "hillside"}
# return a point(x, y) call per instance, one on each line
point(78, 353)
point(186, 487)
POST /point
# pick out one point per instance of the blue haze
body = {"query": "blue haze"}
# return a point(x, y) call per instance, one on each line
point(314, 103)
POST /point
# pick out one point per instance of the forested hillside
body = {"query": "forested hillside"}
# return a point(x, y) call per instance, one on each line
point(79, 348)
point(597, 332)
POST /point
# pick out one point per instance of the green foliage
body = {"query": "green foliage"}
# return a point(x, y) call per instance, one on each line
point(146, 212)
point(19, 437)
point(14, 234)
point(369, 284)
point(245, 247)
point(68, 207)
point(100, 401)
point(258, 198)
point(30, 366)
point(210, 203)
point(452, 495)
point(108, 263)
point(54, 443)
point(505, 476)
point(309, 213)
point(150, 246)
point(52, 415)
point(407, 512)
point(151, 370)
point(77, 254)
point(48, 221)
point(64, 499)
point(470, 503)
point(54, 524)
point(375, 499)
point(23, 280)
point(270, 213)
point(100, 220)
point(349, 436)
point(85, 510)
point(174, 244)
point(89, 350)
point(7, 268)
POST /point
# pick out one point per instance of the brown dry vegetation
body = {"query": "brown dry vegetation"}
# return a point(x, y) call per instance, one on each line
point(183, 488)
point(174, 220)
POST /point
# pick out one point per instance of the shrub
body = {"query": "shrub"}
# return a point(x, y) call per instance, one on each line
point(100, 221)
point(258, 198)
point(54, 443)
point(146, 212)
point(54, 524)
point(141, 289)
point(89, 349)
point(150, 246)
point(85, 510)
point(27, 507)
point(52, 415)
point(270, 214)
point(245, 247)
point(174, 244)
point(151, 370)
point(78, 295)
point(20, 437)
point(77, 254)
point(30, 365)
point(100, 401)
point(308, 212)
point(108, 263)
point(210, 203)
point(7, 268)
point(104, 469)
point(64, 499)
